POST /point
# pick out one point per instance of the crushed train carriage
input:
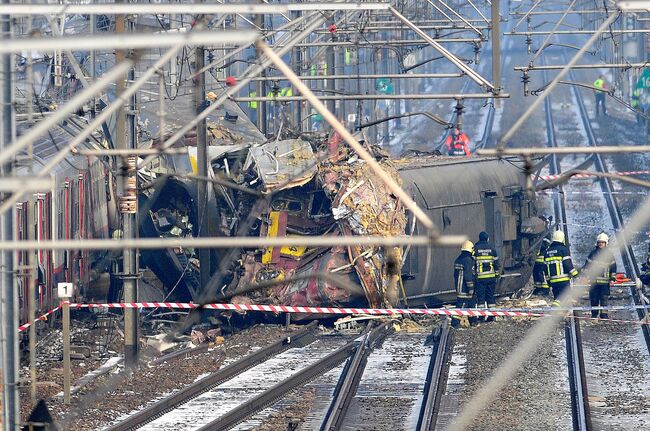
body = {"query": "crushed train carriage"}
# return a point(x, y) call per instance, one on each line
point(313, 185)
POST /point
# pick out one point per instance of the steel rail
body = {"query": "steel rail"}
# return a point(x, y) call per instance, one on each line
point(575, 362)
point(506, 370)
point(559, 206)
point(348, 383)
point(627, 253)
point(148, 414)
point(185, 353)
point(577, 376)
point(434, 386)
point(268, 397)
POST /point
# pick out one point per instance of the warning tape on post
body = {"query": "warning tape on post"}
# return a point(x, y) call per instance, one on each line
point(466, 312)
point(42, 317)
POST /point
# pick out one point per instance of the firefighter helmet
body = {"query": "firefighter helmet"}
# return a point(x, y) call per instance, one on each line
point(467, 246)
point(558, 236)
point(603, 238)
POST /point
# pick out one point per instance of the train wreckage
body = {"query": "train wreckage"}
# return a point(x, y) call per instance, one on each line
point(316, 185)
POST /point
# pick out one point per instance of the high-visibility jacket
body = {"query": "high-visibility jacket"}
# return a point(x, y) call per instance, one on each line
point(636, 96)
point(318, 69)
point(600, 84)
point(559, 266)
point(284, 92)
point(252, 104)
point(606, 272)
point(486, 261)
point(539, 278)
point(645, 268)
point(457, 145)
point(348, 56)
point(464, 275)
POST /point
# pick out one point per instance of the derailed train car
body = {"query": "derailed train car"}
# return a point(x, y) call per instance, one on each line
point(320, 187)
point(465, 196)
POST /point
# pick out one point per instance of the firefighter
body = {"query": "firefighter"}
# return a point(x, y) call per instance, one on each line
point(559, 266)
point(539, 279)
point(457, 143)
point(599, 93)
point(599, 291)
point(486, 264)
point(464, 280)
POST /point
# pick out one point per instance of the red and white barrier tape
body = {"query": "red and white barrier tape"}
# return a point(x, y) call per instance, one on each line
point(473, 312)
point(311, 310)
point(555, 177)
point(43, 317)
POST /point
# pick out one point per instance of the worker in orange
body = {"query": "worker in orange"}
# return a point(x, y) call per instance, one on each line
point(457, 143)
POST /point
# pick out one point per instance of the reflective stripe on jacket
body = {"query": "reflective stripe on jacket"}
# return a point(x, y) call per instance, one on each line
point(606, 272)
point(464, 275)
point(486, 261)
point(559, 266)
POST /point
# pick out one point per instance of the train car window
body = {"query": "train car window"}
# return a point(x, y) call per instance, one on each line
point(320, 204)
point(294, 206)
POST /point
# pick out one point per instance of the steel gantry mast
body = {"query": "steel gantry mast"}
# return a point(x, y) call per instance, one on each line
point(8, 291)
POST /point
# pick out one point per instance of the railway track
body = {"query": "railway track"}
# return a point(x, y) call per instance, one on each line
point(595, 393)
point(167, 404)
point(580, 412)
point(239, 393)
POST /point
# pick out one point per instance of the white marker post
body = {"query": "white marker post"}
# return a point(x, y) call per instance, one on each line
point(65, 291)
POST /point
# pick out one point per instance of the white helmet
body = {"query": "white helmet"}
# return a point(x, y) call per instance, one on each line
point(467, 246)
point(558, 236)
point(603, 238)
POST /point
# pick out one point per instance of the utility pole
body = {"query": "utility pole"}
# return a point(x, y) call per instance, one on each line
point(496, 49)
point(202, 165)
point(128, 208)
point(298, 68)
point(261, 85)
point(331, 70)
point(9, 305)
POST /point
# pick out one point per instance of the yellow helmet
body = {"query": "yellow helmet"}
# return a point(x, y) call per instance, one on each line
point(467, 246)
point(602, 238)
point(558, 236)
point(211, 96)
